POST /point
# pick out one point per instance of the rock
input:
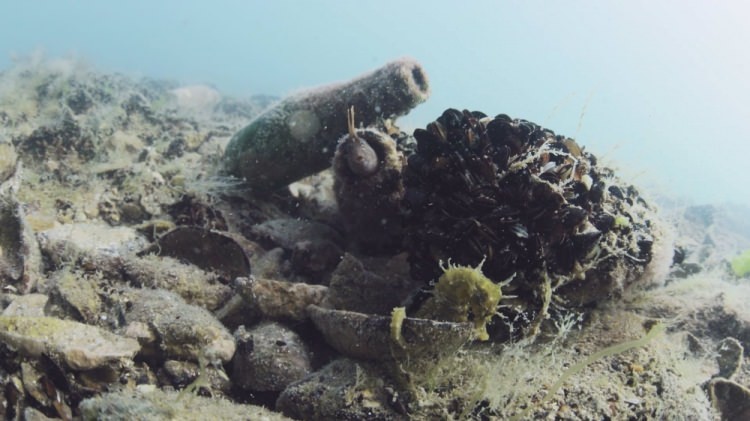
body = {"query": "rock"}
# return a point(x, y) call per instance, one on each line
point(31, 414)
point(729, 357)
point(42, 389)
point(76, 294)
point(287, 232)
point(704, 306)
point(8, 160)
point(278, 299)
point(95, 246)
point(183, 331)
point(269, 357)
point(195, 98)
point(79, 346)
point(194, 285)
point(181, 374)
point(153, 404)
point(730, 399)
point(29, 305)
point(20, 259)
point(373, 289)
point(342, 390)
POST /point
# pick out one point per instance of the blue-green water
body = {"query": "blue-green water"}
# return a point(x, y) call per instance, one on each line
point(660, 88)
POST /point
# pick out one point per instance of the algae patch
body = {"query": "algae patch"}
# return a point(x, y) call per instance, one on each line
point(741, 264)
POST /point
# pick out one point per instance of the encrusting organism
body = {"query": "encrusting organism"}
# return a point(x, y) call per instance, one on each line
point(528, 203)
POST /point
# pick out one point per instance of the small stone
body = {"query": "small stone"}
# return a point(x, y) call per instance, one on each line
point(181, 374)
point(269, 357)
point(279, 299)
point(287, 232)
point(98, 246)
point(20, 258)
point(184, 331)
point(31, 414)
point(730, 355)
point(79, 346)
point(8, 158)
point(357, 287)
point(29, 305)
point(77, 294)
point(342, 390)
point(732, 400)
point(193, 284)
point(158, 405)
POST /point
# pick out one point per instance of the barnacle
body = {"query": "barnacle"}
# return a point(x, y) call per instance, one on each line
point(530, 202)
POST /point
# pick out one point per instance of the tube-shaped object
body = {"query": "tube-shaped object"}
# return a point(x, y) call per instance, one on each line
point(297, 137)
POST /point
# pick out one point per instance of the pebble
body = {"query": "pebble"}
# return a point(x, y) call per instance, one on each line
point(183, 331)
point(193, 284)
point(148, 403)
point(269, 357)
point(79, 346)
point(342, 390)
point(98, 246)
point(279, 299)
point(29, 305)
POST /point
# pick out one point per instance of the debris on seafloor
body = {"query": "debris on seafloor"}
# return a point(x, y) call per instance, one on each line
point(302, 130)
point(359, 295)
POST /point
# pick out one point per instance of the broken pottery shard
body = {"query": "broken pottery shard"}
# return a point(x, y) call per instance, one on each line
point(302, 130)
point(370, 337)
point(279, 299)
point(183, 330)
point(80, 346)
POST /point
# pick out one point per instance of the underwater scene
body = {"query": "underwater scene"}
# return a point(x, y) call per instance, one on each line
point(374, 210)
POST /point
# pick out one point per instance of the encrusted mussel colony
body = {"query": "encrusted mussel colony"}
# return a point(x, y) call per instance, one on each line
point(533, 208)
point(155, 265)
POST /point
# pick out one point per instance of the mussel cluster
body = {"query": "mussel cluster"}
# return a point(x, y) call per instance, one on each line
point(532, 205)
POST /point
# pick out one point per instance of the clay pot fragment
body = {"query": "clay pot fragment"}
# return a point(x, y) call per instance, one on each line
point(369, 336)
